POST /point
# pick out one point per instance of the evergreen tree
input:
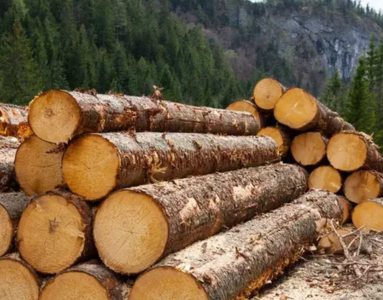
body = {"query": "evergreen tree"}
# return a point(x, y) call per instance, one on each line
point(332, 94)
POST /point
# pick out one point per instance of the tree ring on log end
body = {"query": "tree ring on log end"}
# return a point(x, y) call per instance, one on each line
point(368, 215)
point(309, 148)
point(347, 152)
point(325, 178)
point(267, 92)
point(361, 186)
point(51, 234)
point(74, 286)
point(130, 231)
point(276, 135)
point(17, 281)
point(54, 116)
point(167, 283)
point(6, 231)
point(243, 105)
point(90, 167)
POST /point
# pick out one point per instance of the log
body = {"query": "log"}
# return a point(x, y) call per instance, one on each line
point(267, 92)
point(96, 164)
point(347, 209)
point(281, 135)
point(369, 215)
point(13, 121)
point(11, 207)
point(350, 151)
point(8, 148)
point(38, 166)
point(236, 263)
point(325, 178)
point(134, 228)
point(90, 280)
point(18, 280)
point(57, 116)
point(330, 244)
point(309, 149)
point(301, 111)
point(363, 185)
point(247, 106)
point(55, 232)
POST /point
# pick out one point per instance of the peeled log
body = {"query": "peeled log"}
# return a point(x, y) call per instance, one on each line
point(8, 148)
point(267, 92)
point(363, 185)
point(301, 111)
point(57, 116)
point(309, 149)
point(325, 178)
point(280, 135)
point(369, 215)
point(38, 166)
point(350, 151)
point(11, 207)
point(18, 281)
point(87, 281)
point(136, 227)
point(96, 164)
point(247, 106)
point(13, 121)
point(238, 262)
point(55, 232)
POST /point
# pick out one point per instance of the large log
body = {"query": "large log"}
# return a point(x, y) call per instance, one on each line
point(96, 164)
point(90, 280)
point(13, 121)
point(247, 106)
point(57, 116)
point(134, 228)
point(369, 215)
point(8, 148)
point(267, 92)
point(301, 111)
point(11, 207)
point(55, 232)
point(38, 166)
point(350, 151)
point(18, 280)
point(325, 178)
point(309, 149)
point(363, 185)
point(236, 263)
point(281, 135)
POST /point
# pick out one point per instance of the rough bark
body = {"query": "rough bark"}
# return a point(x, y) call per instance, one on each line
point(13, 121)
point(234, 264)
point(8, 148)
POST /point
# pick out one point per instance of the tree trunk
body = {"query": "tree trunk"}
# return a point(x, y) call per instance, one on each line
point(55, 232)
point(18, 280)
point(13, 121)
point(281, 135)
point(8, 148)
point(350, 151)
point(363, 185)
point(267, 92)
point(369, 215)
point(236, 263)
point(38, 166)
point(325, 178)
point(57, 116)
point(90, 280)
point(247, 106)
point(309, 149)
point(11, 207)
point(301, 111)
point(173, 215)
point(96, 164)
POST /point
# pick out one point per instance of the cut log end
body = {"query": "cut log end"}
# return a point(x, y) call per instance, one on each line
point(247, 106)
point(369, 216)
point(51, 234)
point(17, 281)
point(330, 243)
point(165, 283)
point(54, 116)
point(90, 167)
point(347, 152)
point(6, 231)
point(74, 286)
point(309, 148)
point(325, 178)
point(277, 136)
point(38, 166)
point(130, 231)
point(362, 186)
point(347, 208)
point(267, 92)
point(296, 109)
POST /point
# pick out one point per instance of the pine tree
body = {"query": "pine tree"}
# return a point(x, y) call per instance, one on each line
point(332, 94)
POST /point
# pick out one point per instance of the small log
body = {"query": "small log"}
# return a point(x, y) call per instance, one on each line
point(330, 244)
point(363, 185)
point(57, 116)
point(301, 111)
point(247, 106)
point(238, 262)
point(267, 92)
point(90, 280)
point(18, 280)
point(347, 209)
point(96, 164)
point(173, 215)
point(11, 207)
point(369, 215)
point(309, 149)
point(55, 232)
point(13, 121)
point(8, 148)
point(281, 135)
point(38, 166)
point(325, 178)
point(350, 151)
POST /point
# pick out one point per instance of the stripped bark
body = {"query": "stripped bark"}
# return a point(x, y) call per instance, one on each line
point(8, 148)
point(236, 263)
point(13, 121)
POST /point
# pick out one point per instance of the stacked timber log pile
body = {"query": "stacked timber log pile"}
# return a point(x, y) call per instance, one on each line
point(125, 198)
